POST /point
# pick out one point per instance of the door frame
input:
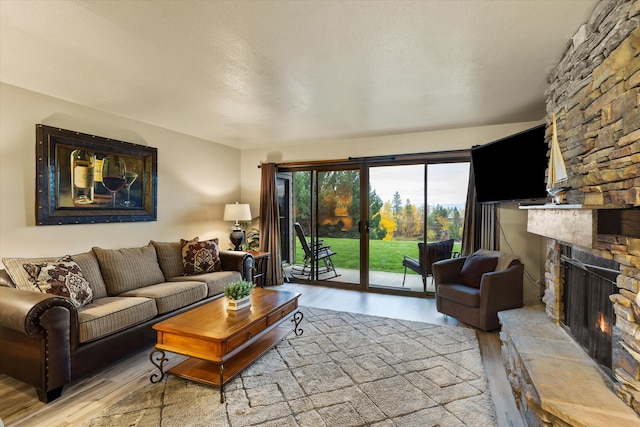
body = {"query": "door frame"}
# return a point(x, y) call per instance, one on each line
point(363, 164)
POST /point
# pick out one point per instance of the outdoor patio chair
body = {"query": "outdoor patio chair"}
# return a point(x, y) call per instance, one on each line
point(427, 255)
point(321, 254)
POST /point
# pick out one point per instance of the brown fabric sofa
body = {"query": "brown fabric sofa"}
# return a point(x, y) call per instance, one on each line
point(48, 340)
point(477, 293)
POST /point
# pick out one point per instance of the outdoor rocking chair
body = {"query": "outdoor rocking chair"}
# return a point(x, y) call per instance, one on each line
point(427, 254)
point(321, 254)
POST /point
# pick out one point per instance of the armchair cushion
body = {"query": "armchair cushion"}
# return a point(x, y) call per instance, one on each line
point(473, 269)
point(464, 295)
point(505, 260)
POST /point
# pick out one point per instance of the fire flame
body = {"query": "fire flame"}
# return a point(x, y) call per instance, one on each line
point(603, 325)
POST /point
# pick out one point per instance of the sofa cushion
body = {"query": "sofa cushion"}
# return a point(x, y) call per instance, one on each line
point(91, 270)
point(169, 258)
point(171, 296)
point(18, 274)
point(87, 262)
point(62, 277)
point(200, 257)
point(129, 268)
point(461, 294)
point(109, 315)
point(215, 281)
point(473, 269)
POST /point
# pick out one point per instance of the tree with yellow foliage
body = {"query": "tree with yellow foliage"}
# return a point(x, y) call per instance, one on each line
point(387, 221)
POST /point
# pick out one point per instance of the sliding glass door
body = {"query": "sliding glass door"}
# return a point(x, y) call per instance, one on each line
point(362, 225)
point(396, 225)
point(410, 205)
point(326, 219)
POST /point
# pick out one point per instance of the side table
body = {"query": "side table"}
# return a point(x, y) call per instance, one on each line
point(262, 259)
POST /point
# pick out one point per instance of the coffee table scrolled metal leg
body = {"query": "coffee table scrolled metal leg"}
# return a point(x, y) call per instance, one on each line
point(297, 319)
point(158, 358)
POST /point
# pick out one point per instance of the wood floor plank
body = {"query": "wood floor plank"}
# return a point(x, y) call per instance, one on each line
point(506, 410)
point(85, 398)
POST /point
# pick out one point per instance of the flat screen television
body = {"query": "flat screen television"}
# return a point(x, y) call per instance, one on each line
point(512, 168)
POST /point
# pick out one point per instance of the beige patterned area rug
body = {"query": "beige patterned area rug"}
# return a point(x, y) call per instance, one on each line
point(345, 370)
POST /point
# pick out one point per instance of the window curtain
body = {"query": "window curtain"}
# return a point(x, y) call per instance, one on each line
point(270, 224)
point(480, 222)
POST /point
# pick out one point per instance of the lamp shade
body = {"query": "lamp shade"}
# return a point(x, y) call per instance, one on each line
point(237, 212)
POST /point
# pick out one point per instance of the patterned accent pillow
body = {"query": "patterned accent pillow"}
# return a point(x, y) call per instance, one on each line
point(63, 278)
point(200, 257)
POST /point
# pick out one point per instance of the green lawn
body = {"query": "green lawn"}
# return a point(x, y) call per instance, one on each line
point(383, 255)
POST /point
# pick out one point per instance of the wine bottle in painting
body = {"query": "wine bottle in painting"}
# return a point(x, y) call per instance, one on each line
point(82, 169)
point(101, 195)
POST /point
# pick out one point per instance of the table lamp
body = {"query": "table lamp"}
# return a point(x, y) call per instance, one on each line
point(237, 212)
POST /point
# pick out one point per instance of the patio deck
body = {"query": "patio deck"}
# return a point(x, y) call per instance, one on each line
point(377, 279)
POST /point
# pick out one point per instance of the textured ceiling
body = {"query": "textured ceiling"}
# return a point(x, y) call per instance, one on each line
point(262, 73)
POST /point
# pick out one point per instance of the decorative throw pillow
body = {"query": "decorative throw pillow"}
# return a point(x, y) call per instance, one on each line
point(63, 278)
point(473, 269)
point(200, 257)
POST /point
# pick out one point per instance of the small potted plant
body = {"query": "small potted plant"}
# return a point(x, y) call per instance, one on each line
point(238, 294)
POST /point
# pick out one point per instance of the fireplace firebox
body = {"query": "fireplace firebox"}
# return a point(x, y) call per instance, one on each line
point(588, 311)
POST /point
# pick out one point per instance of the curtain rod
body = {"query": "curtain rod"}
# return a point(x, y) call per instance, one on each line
point(449, 154)
point(308, 163)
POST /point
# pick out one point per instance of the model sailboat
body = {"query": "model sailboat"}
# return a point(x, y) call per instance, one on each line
point(557, 178)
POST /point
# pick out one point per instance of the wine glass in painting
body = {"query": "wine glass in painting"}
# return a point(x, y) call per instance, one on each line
point(113, 176)
point(130, 176)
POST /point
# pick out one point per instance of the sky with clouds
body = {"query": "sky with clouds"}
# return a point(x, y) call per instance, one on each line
point(447, 183)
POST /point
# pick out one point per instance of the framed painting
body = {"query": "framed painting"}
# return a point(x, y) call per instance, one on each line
point(86, 179)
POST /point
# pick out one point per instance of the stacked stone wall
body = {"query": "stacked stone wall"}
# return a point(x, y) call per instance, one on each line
point(553, 282)
point(594, 91)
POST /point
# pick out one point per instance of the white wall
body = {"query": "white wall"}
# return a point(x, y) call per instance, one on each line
point(513, 220)
point(530, 247)
point(195, 179)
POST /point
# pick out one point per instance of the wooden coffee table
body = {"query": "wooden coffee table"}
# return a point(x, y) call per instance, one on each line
point(219, 343)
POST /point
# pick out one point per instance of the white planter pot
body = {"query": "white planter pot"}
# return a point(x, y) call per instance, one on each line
point(234, 305)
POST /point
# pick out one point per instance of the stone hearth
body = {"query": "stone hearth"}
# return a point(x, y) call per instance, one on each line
point(553, 379)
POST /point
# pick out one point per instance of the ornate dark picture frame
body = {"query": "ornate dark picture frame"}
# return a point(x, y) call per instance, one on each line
point(61, 152)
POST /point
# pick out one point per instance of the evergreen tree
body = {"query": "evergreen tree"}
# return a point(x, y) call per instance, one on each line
point(397, 206)
point(455, 230)
point(302, 198)
point(375, 203)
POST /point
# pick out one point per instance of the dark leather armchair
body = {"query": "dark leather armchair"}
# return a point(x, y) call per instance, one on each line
point(478, 304)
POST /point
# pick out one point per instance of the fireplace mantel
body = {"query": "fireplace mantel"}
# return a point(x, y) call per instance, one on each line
point(580, 225)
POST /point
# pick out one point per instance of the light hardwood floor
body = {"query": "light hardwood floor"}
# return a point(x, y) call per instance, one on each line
point(83, 399)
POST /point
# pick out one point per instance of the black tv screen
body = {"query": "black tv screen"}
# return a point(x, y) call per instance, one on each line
point(511, 168)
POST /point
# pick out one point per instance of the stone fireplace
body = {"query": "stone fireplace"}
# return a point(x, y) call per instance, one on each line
point(594, 91)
